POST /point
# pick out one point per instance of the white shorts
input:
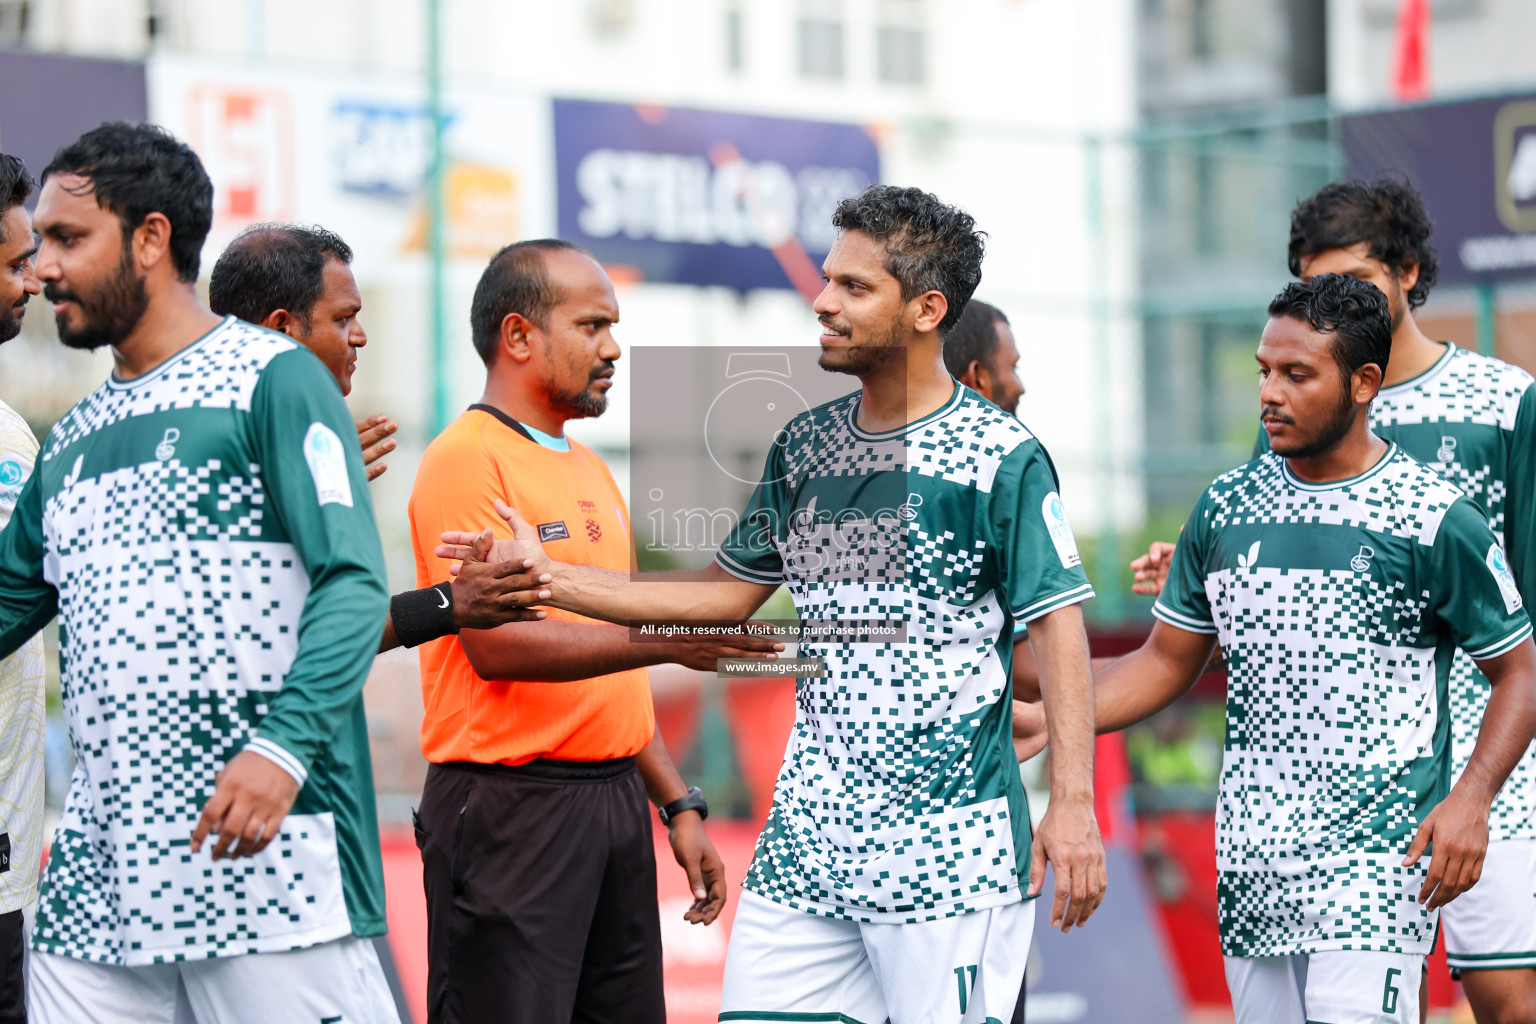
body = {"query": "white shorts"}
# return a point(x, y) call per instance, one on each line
point(1493, 924)
point(339, 980)
point(788, 965)
point(1336, 987)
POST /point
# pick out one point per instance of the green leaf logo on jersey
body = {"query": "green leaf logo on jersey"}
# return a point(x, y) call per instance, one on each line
point(1251, 559)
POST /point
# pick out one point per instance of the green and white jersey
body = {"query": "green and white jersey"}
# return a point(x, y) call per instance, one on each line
point(1472, 419)
point(1339, 608)
point(205, 536)
point(23, 677)
point(899, 799)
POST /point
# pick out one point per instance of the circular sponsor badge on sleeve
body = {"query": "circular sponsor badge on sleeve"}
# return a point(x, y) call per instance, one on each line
point(1055, 515)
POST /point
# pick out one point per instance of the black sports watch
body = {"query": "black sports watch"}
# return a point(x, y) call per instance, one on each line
point(694, 801)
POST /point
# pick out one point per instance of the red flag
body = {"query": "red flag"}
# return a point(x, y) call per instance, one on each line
point(1410, 69)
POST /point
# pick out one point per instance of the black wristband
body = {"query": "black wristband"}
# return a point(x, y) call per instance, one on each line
point(422, 615)
point(694, 801)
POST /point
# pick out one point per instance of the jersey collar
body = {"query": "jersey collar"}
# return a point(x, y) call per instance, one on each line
point(518, 427)
point(1338, 485)
point(1451, 348)
point(939, 413)
point(117, 384)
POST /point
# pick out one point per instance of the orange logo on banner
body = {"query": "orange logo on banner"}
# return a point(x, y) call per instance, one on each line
point(245, 139)
point(482, 209)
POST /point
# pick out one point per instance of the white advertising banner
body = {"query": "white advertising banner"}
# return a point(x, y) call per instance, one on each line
point(351, 153)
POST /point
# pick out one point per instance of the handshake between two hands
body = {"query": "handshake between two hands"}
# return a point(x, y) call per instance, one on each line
point(500, 581)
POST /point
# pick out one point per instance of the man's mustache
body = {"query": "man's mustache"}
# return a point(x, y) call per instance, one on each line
point(1271, 413)
point(53, 293)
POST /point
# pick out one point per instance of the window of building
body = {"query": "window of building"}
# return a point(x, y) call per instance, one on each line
point(820, 33)
point(735, 43)
point(900, 42)
point(13, 22)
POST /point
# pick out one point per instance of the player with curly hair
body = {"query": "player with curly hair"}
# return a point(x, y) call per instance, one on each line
point(1472, 419)
point(895, 874)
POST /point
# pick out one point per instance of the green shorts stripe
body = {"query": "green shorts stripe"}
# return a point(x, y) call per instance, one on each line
point(1490, 961)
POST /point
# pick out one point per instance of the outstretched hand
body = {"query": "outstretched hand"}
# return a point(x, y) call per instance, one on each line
point(703, 651)
point(1152, 568)
point(487, 595)
point(523, 551)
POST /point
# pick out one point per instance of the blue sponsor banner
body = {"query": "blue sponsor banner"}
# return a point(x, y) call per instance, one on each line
point(1475, 164)
point(706, 198)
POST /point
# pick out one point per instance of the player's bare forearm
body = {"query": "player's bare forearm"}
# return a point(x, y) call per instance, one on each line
point(1068, 836)
point(1066, 686)
point(1026, 673)
point(389, 641)
point(1457, 828)
point(663, 782)
point(1509, 721)
point(1156, 674)
point(691, 846)
point(556, 652)
point(709, 595)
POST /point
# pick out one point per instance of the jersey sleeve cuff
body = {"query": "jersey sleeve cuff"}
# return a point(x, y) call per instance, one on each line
point(280, 757)
point(744, 572)
point(1503, 646)
point(1076, 595)
point(1181, 621)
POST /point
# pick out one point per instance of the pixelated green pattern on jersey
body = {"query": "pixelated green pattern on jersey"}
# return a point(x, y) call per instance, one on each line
point(180, 593)
point(1339, 609)
point(899, 799)
point(1472, 419)
point(1464, 419)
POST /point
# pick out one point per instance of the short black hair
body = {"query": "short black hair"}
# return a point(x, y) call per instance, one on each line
point(274, 266)
point(515, 281)
point(929, 245)
point(1353, 311)
point(15, 185)
point(1388, 215)
point(139, 169)
point(973, 338)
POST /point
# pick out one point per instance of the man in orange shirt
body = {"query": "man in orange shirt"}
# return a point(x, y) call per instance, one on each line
point(297, 280)
point(536, 846)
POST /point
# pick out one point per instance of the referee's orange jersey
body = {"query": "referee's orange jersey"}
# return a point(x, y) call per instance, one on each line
point(582, 520)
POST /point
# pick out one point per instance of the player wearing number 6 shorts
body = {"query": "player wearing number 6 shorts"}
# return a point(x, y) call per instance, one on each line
point(1472, 419)
point(1339, 576)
